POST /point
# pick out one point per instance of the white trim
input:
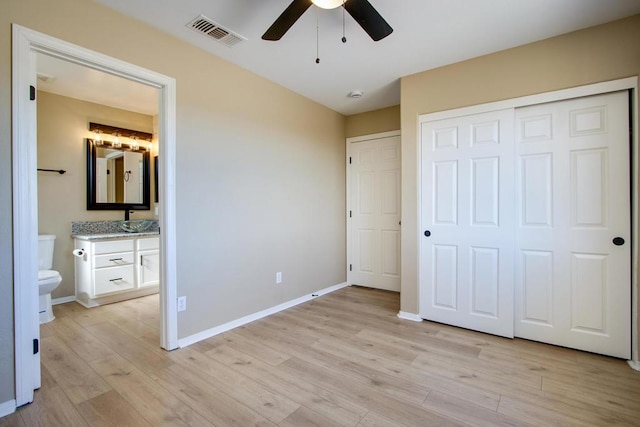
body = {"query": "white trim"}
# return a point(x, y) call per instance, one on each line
point(26, 43)
point(7, 408)
point(541, 98)
point(351, 140)
point(373, 136)
point(634, 364)
point(63, 300)
point(25, 221)
point(629, 83)
point(635, 200)
point(184, 342)
point(409, 316)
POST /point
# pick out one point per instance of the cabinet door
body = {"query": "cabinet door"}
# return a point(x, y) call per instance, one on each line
point(148, 268)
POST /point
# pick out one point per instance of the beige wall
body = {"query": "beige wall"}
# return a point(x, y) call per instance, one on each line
point(260, 172)
point(63, 125)
point(602, 53)
point(383, 120)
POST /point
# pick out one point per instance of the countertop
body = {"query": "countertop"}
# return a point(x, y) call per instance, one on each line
point(115, 235)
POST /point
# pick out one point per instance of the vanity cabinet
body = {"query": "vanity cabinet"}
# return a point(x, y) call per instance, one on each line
point(116, 269)
point(148, 262)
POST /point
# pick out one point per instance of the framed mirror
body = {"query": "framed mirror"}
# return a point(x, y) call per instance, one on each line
point(118, 178)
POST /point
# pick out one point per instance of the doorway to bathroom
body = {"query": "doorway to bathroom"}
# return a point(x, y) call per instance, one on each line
point(27, 45)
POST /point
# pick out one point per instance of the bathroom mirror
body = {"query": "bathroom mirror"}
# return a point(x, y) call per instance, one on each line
point(118, 178)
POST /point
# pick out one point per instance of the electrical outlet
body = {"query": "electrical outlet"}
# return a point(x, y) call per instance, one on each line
point(278, 277)
point(182, 303)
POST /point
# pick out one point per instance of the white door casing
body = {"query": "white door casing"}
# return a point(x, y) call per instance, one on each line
point(466, 217)
point(374, 211)
point(25, 44)
point(573, 284)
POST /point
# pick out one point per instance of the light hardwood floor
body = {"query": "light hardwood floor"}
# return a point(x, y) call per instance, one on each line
point(343, 359)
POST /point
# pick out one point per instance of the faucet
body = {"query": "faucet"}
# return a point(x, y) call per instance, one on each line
point(126, 214)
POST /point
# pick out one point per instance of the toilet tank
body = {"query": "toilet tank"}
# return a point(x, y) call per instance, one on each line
point(45, 251)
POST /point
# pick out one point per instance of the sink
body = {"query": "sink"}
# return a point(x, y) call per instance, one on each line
point(135, 225)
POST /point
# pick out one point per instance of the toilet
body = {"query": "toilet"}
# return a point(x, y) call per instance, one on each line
point(48, 279)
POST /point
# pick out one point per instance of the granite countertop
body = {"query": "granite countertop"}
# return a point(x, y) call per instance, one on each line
point(115, 235)
point(96, 230)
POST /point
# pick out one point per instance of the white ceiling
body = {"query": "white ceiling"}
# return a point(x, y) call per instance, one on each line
point(427, 34)
point(76, 81)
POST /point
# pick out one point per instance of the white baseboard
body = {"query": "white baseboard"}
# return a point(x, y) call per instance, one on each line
point(63, 300)
point(409, 316)
point(8, 407)
point(184, 342)
point(634, 364)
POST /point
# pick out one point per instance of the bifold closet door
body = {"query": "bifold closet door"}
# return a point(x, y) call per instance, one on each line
point(573, 284)
point(467, 222)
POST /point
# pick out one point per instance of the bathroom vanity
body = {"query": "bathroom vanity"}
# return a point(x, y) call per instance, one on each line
point(115, 267)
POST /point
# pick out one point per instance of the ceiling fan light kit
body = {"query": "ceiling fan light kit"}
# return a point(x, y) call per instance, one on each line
point(360, 10)
point(327, 4)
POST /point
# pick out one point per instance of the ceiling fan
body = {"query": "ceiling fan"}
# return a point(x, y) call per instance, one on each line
point(361, 10)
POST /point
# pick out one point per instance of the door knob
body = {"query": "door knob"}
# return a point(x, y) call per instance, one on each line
point(618, 241)
point(427, 233)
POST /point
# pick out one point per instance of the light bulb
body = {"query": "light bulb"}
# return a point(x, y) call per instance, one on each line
point(97, 139)
point(327, 4)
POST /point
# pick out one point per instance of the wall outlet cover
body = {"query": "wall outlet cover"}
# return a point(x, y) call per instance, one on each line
point(182, 303)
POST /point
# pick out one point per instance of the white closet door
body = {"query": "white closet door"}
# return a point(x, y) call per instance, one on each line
point(374, 204)
point(467, 220)
point(573, 282)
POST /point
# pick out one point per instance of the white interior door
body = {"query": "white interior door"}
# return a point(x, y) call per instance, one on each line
point(374, 205)
point(573, 283)
point(467, 219)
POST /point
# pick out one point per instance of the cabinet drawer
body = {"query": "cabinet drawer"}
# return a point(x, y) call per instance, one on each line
point(112, 246)
point(113, 279)
point(113, 260)
point(148, 243)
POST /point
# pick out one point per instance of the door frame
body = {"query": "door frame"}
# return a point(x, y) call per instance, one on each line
point(349, 141)
point(25, 44)
point(629, 83)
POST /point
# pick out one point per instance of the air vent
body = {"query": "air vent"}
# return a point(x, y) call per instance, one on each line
point(206, 26)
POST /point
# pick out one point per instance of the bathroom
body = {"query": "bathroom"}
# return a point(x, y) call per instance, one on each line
point(70, 97)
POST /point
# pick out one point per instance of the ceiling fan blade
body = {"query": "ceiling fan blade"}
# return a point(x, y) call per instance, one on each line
point(368, 18)
point(286, 19)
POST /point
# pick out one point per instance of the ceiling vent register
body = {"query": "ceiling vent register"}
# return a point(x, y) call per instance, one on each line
point(206, 26)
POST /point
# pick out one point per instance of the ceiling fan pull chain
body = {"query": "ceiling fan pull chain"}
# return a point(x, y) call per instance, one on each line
point(317, 36)
point(344, 38)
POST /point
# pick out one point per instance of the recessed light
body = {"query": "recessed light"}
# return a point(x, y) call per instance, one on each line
point(355, 94)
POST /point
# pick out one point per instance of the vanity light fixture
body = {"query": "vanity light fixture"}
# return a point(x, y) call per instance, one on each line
point(116, 141)
point(132, 138)
point(97, 139)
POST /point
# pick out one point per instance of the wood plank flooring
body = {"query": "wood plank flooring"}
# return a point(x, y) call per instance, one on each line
point(343, 359)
